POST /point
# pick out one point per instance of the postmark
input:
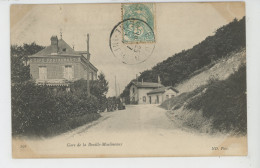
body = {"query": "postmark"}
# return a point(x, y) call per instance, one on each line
point(130, 53)
point(134, 31)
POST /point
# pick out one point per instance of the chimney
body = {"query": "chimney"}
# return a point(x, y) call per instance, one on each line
point(142, 81)
point(54, 42)
point(137, 78)
point(88, 54)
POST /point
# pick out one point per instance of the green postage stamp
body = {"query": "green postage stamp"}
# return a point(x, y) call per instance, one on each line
point(138, 22)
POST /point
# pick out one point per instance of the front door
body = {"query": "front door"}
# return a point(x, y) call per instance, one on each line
point(157, 99)
point(150, 99)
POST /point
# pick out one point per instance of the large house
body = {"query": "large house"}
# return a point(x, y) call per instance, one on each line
point(58, 64)
point(150, 93)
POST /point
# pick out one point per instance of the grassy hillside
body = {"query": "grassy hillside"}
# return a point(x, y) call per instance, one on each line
point(179, 67)
point(220, 70)
point(219, 106)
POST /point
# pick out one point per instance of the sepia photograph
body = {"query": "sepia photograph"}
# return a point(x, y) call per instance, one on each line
point(128, 80)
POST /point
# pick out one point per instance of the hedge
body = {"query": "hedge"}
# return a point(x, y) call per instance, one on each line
point(36, 108)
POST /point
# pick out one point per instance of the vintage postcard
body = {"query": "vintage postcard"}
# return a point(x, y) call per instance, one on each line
point(128, 80)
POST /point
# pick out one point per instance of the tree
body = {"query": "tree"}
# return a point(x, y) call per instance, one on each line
point(99, 88)
point(20, 70)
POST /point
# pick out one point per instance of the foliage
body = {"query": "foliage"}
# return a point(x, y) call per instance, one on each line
point(113, 103)
point(29, 104)
point(20, 70)
point(36, 108)
point(70, 123)
point(218, 104)
point(126, 93)
point(98, 88)
point(177, 102)
point(180, 66)
point(225, 103)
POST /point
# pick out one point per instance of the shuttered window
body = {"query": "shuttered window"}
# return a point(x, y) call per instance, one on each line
point(42, 72)
point(68, 72)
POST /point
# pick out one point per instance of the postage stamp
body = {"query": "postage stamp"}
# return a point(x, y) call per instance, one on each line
point(136, 51)
point(141, 29)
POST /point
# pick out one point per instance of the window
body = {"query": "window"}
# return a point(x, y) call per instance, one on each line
point(133, 90)
point(144, 99)
point(42, 72)
point(68, 72)
point(91, 76)
point(64, 49)
point(167, 96)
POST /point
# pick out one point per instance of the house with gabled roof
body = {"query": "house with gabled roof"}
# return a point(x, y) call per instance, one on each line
point(139, 90)
point(159, 95)
point(150, 92)
point(58, 64)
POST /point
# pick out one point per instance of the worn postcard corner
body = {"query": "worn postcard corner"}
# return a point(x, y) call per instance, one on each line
point(128, 80)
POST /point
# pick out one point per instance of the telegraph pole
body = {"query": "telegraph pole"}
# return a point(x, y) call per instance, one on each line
point(119, 89)
point(88, 72)
point(115, 86)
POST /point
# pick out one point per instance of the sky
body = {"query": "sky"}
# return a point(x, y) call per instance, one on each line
point(178, 26)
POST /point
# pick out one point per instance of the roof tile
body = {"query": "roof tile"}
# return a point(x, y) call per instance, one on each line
point(62, 49)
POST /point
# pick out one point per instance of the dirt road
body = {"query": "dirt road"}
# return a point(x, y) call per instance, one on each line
point(135, 118)
point(140, 130)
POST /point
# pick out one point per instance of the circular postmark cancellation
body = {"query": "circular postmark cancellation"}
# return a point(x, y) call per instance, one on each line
point(144, 12)
point(138, 46)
